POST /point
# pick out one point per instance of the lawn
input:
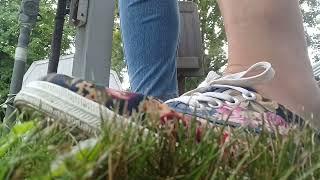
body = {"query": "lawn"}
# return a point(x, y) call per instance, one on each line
point(41, 148)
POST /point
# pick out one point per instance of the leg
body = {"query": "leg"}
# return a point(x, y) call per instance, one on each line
point(272, 30)
point(150, 35)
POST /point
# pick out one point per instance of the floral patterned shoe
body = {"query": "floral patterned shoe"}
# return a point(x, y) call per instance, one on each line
point(218, 101)
point(77, 102)
point(230, 100)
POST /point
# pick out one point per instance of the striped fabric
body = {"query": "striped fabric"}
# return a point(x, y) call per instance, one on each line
point(316, 69)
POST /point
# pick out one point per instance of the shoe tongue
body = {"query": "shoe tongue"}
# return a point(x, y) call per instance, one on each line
point(210, 77)
point(258, 73)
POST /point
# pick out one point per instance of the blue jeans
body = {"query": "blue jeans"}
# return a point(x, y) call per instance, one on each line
point(150, 30)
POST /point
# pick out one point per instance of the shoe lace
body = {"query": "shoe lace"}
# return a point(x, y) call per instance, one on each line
point(198, 99)
point(215, 99)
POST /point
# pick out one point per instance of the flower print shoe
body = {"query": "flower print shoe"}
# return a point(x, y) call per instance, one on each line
point(230, 100)
point(77, 102)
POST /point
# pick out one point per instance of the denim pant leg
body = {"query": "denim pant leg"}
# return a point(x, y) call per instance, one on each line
point(150, 30)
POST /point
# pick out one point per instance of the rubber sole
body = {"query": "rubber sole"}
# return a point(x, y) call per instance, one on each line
point(65, 105)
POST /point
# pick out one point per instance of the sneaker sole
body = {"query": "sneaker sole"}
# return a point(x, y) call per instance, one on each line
point(65, 105)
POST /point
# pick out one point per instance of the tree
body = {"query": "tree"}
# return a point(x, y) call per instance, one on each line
point(117, 58)
point(41, 34)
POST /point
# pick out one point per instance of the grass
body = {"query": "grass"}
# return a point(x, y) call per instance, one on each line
point(41, 149)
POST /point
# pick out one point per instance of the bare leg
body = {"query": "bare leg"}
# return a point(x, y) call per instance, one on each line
point(272, 30)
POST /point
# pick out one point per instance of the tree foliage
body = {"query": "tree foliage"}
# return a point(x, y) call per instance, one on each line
point(41, 35)
point(117, 58)
point(311, 12)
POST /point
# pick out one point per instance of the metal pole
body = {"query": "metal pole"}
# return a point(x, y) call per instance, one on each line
point(28, 17)
point(57, 37)
point(94, 43)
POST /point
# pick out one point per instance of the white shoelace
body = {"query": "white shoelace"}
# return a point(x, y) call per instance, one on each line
point(207, 100)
